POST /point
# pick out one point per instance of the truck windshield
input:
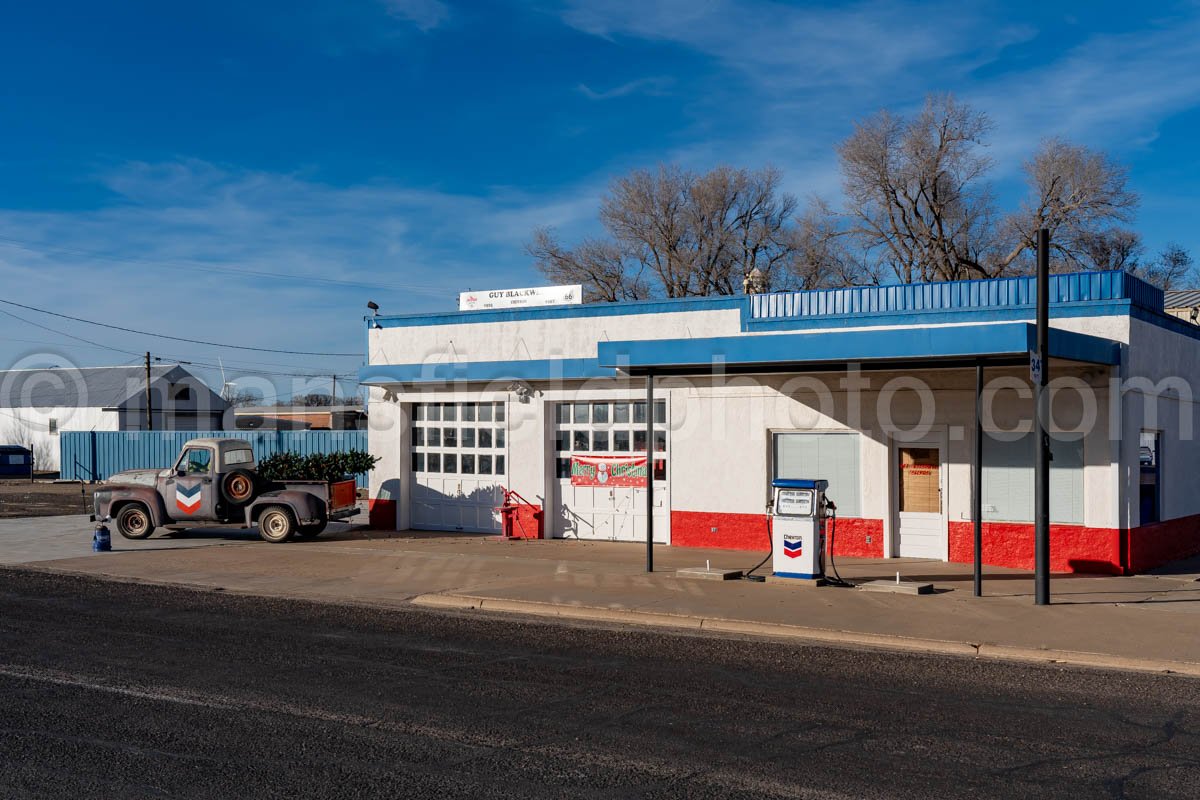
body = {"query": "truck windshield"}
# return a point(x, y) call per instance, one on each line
point(195, 460)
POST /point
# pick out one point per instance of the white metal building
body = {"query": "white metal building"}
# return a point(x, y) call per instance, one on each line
point(871, 388)
point(38, 404)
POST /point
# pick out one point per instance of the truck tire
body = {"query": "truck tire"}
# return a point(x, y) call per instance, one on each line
point(276, 524)
point(311, 531)
point(237, 487)
point(133, 521)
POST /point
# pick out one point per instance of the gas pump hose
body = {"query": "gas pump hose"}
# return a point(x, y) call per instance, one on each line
point(749, 575)
point(836, 580)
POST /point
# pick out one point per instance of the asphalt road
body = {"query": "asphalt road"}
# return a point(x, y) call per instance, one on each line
point(117, 690)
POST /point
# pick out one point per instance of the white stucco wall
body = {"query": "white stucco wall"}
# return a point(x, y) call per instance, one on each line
point(16, 423)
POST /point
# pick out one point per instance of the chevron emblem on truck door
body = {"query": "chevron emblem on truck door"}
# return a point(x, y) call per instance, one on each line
point(187, 498)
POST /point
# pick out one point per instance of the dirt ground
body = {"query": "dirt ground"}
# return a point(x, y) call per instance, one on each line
point(20, 498)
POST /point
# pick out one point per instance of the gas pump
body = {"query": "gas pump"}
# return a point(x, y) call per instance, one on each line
point(798, 528)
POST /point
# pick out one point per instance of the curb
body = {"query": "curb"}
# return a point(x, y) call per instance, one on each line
point(996, 652)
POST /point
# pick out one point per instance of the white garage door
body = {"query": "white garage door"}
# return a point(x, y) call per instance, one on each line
point(459, 465)
point(608, 428)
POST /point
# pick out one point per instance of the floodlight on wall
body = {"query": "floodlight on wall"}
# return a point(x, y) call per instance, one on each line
point(522, 390)
point(371, 304)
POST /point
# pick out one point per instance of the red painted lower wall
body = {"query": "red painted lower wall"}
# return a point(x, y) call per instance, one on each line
point(1160, 542)
point(1074, 548)
point(382, 514)
point(749, 532)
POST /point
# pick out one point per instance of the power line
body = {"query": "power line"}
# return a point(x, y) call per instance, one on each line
point(67, 335)
point(176, 338)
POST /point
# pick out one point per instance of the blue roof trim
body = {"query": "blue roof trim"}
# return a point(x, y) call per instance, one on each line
point(585, 310)
point(959, 341)
point(1094, 308)
point(1075, 287)
point(484, 371)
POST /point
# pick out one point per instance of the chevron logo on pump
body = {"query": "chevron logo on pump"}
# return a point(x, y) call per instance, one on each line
point(793, 548)
point(187, 498)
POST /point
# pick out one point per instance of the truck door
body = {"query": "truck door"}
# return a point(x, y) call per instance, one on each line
point(190, 493)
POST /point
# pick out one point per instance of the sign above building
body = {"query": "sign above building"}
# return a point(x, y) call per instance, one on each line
point(519, 298)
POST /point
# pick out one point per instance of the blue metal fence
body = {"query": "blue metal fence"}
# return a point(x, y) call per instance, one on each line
point(95, 455)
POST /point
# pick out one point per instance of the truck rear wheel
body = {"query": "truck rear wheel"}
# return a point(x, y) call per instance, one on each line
point(276, 524)
point(133, 522)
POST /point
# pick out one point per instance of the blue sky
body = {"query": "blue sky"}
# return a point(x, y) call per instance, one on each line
point(160, 157)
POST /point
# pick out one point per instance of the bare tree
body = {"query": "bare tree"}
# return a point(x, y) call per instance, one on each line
point(242, 398)
point(1173, 268)
point(1079, 195)
point(677, 233)
point(24, 433)
point(915, 196)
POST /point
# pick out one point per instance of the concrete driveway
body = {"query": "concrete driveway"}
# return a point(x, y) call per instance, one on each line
point(28, 540)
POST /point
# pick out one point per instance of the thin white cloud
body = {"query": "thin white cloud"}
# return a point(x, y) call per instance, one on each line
point(185, 247)
point(654, 86)
point(424, 14)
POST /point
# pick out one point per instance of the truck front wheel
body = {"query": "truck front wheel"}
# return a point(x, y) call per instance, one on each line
point(276, 524)
point(133, 522)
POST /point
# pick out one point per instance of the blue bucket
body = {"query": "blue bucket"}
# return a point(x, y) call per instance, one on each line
point(101, 540)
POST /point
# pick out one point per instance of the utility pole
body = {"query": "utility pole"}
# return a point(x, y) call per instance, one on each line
point(333, 397)
point(1041, 397)
point(149, 398)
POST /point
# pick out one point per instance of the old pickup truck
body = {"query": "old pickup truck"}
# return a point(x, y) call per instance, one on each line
point(214, 483)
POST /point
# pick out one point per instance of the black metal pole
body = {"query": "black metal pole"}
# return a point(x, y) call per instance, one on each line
point(1041, 464)
point(649, 472)
point(977, 481)
point(149, 400)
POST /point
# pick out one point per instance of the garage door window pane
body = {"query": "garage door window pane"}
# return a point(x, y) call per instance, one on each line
point(600, 413)
point(449, 437)
point(418, 412)
point(600, 440)
point(660, 411)
point(620, 412)
point(433, 462)
point(485, 465)
point(433, 412)
point(468, 412)
point(433, 437)
point(660, 469)
point(639, 413)
point(581, 441)
point(660, 441)
point(449, 462)
point(499, 437)
point(485, 437)
point(639, 441)
point(468, 464)
point(418, 462)
point(468, 437)
point(499, 465)
point(620, 441)
point(449, 412)
point(580, 413)
point(562, 441)
point(562, 413)
point(485, 412)
point(418, 437)
point(499, 412)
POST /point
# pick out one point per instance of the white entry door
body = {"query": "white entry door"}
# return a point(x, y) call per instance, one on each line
point(608, 428)
point(921, 500)
point(459, 466)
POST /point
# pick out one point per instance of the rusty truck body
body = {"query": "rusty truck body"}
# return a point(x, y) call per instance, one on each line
point(215, 483)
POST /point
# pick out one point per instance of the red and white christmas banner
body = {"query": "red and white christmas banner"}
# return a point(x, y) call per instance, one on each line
point(608, 470)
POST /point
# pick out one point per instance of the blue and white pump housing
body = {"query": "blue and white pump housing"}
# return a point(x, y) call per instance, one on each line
point(798, 528)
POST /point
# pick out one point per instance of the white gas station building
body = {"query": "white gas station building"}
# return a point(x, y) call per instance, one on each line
point(873, 389)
